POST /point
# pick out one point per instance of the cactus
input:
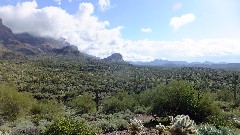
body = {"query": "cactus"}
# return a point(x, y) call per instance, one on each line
point(235, 122)
point(136, 127)
point(180, 125)
point(161, 128)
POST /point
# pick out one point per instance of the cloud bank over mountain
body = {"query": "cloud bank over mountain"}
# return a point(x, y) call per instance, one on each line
point(90, 35)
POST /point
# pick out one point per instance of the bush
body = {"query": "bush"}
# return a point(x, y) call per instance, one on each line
point(47, 109)
point(68, 126)
point(220, 120)
point(111, 122)
point(83, 104)
point(207, 129)
point(146, 98)
point(235, 103)
point(225, 95)
point(43, 125)
point(119, 102)
point(13, 103)
point(22, 126)
point(141, 110)
point(179, 97)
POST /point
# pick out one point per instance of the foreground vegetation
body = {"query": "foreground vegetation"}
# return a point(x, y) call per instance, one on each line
point(89, 96)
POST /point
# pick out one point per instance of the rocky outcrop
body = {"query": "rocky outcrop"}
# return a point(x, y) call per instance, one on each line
point(5, 32)
point(116, 57)
point(27, 44)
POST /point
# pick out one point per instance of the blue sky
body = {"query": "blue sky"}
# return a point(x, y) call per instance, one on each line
point(141, 30)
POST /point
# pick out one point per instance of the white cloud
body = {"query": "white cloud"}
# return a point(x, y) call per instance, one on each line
point(58, 1)
point(92, 36)
point(186, 49)
point(177, 22)
point(146, 30)
point(104, 5)
point(82, 29)
point(177, 6)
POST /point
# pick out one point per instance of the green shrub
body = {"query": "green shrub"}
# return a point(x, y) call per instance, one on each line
point(83, 104)
point(203, 108)
point(225, 95)
point(47, 109)
point(111, 122)
point(68, 126)
point(179, 97)
point(207, 129)
point(6, 128)
point(13, 103)
point(227, 131)
point(142, 110)
point(235, 103)
point(164, 120)
point(43, 125)
point(220, 120)
point(119, 102)
point(22, 126)
point(146, 98)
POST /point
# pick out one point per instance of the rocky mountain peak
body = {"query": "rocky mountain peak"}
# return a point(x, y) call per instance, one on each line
point(67, 50)
point(116, 57)
point(27, 44)
point(5, 32)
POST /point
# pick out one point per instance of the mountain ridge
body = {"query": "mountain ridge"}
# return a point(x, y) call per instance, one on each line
point(206, 64)
point(5, 32)
point(160, 62)
point(24, 44)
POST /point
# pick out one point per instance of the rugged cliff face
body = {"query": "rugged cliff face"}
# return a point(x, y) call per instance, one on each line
point(116, 57)
point(26, 44)
point(5, 32)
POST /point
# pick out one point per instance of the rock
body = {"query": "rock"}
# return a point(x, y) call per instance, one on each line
point(116, 57)
point(5, 32)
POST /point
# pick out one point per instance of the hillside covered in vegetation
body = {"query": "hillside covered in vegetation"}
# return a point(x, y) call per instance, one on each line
point(40, 93)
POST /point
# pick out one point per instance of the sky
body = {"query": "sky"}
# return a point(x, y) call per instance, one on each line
point(141, 30)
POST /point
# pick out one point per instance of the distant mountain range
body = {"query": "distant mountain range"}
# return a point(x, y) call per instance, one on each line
point(160, 62)
point(206, 64)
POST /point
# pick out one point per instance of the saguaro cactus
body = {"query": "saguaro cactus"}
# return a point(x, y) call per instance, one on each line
point(235, 86)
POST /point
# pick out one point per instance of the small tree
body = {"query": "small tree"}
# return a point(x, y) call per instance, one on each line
point(179, 97)
point(83, 104)
point(14, 103)
point(235, 87)
point(119, 102)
